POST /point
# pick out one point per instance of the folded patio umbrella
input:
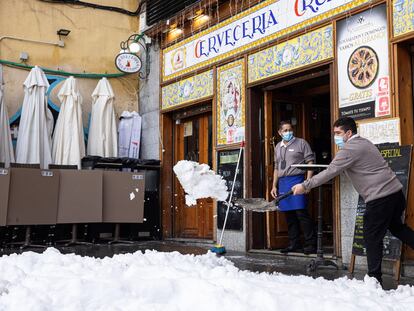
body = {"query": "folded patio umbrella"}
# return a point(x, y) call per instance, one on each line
point(102, 139)
point(34, 140)
point(68, 141)
point(6, 147)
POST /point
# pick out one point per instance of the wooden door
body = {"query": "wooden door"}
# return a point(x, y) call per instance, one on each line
point(404, 76)
point(193, 142)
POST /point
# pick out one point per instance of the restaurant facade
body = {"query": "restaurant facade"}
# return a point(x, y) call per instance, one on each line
point(309, 62)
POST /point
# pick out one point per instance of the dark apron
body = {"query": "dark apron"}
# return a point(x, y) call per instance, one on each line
point(293, 202)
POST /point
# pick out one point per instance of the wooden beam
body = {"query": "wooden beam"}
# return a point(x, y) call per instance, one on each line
point(296, 80)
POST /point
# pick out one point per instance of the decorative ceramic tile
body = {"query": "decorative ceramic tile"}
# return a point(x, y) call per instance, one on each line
point(307, 49)
point(403, 16)
point(188, 90)
point(231, 103)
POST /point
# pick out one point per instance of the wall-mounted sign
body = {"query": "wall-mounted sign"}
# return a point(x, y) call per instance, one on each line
point(128, 63)
point(363, 79)
point(231, 103)
point(262, 23)
point(380, 131)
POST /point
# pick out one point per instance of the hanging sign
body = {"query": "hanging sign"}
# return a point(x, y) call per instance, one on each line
point(260, 24)
point(363, 79)
point(128, 63)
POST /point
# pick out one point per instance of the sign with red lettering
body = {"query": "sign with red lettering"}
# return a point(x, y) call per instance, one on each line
point(262, 23)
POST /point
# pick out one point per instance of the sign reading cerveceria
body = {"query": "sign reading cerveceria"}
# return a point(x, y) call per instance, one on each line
point(262, 23)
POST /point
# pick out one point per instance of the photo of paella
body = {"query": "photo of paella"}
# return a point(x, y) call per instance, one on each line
point(363, 67)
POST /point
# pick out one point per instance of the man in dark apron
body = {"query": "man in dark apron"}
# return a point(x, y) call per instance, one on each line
point(293, 150)
point(377, 184)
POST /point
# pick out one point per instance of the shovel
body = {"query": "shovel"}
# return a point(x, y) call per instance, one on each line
point(260, 204)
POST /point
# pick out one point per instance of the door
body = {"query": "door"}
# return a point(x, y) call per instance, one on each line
point(307, 106)
point(193, 142)
point(277, 231)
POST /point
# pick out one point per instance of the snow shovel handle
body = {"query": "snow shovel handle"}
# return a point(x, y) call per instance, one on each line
point(283, 196)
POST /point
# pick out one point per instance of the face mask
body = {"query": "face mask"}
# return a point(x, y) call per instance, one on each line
point(339, 141)
point(287, 136)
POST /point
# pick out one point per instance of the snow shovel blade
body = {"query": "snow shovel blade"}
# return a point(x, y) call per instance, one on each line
point(257, 205)
point(261, 205)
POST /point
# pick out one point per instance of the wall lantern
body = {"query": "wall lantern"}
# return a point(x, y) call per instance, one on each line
point(133, 51)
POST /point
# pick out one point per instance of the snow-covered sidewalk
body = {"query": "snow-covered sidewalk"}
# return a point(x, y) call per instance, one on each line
point(171, 281)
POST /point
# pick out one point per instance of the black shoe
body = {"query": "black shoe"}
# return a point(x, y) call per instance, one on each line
point(309, 250)
point(291, 249)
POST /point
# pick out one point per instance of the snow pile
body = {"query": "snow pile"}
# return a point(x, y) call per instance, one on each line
point(199, 182)
point(170, 281)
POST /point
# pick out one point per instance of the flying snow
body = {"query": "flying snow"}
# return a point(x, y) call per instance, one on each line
point(199, 182)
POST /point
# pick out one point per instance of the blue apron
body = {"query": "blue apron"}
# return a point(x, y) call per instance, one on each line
point(293, 202)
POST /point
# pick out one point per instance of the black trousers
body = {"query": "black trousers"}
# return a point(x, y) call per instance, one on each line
point(380, 215)
point(295, 219)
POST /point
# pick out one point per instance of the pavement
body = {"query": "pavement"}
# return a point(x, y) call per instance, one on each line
point(252, 261)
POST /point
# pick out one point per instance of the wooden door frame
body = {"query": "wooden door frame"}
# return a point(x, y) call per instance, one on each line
point(166, 149)
point(334, 109)
point(403, 82)
point(179, 211)
point(167, 178)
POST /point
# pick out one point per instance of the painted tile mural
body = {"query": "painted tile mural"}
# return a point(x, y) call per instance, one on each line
point(403, 16)
point(188, 90)
point(231, 103)
point(307, 49)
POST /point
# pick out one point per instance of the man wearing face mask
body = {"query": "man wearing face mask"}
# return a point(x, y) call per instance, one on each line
point(377, 184)
point(292, 150)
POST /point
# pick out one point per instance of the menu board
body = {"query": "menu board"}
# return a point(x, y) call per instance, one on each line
point(227, 163)
point(380, 131)
point(398, 158)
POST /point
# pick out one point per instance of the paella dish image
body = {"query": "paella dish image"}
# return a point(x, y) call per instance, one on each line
point(363, 67)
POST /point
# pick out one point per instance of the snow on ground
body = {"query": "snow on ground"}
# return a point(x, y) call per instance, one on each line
point(198, 182)
point(171, 281)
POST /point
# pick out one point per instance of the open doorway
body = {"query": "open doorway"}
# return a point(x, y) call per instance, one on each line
point(305, 101)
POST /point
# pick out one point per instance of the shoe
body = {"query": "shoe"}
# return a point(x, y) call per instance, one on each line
point(311, 249)
point(291, 249)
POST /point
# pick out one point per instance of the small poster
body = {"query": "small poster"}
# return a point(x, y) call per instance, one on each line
point(188, 129)
point(226, 167)
point(380, 131)
point(363, 65)
point(231, 104)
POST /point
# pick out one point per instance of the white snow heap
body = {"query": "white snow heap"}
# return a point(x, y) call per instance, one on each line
point(199, 182)
point(157, 281)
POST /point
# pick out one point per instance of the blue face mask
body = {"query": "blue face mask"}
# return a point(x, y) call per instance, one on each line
point(287, 136)
point(339, 141)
